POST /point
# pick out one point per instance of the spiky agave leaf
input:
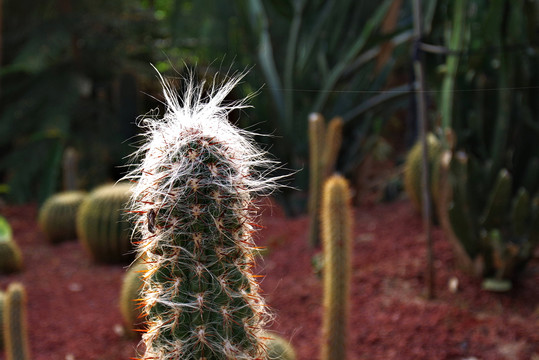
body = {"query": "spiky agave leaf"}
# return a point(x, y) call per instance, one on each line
point(193, 196)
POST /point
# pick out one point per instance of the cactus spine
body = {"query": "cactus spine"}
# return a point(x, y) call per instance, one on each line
point(193, 198)
point(14, 323)
point(337, 246)
point(57, 216)
point(103, 226)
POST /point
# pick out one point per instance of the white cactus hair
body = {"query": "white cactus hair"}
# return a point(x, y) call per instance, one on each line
point(189, 118)
point(196, 116)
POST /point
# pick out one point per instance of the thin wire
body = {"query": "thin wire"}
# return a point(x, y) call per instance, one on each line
point(400, 91)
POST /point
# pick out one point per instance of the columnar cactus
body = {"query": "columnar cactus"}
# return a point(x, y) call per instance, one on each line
point(14, 323)
point(57, 216)
point(413, 170)
point(316, 141)
point(337, 247)
point(324, 147)
point(497, 227)
point(103, 224)
point(194, 202)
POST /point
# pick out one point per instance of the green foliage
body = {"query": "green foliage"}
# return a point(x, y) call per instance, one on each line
point(63, 78)
point(488, 100)
point(322, 57)
point(15, 323)
point(57, 216)
point(337, 249)
point(10, 254)
point(494, 225)
point(103, 225)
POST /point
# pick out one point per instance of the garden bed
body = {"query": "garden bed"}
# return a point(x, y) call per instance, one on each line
point(73, 310)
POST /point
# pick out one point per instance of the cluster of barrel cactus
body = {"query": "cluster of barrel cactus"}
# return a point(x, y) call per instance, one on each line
point(193, 201)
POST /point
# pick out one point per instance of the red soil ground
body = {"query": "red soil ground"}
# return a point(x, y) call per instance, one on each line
point(73, 310)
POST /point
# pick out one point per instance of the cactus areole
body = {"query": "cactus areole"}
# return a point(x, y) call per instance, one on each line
point(193, 198)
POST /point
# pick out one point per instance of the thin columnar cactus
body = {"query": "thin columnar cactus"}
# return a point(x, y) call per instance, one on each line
point(316, 169)
point(193, 198)
point(337, 247)
point(332, 145)
point(14, 323)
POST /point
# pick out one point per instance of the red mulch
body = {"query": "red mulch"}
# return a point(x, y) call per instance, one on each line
point(73, 310)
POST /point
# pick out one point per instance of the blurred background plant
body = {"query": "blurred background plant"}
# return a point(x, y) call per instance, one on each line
point(482, 56)
point(76, 73)
point(72, 75)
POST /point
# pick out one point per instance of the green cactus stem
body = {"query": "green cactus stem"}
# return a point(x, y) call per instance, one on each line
point(332, 146)
point(193, 199)
point(57, 216)
point(413, 170)
point(337, 247)
point(15, 323)
point(103, 224)
point(316, 169)
point(10, 255)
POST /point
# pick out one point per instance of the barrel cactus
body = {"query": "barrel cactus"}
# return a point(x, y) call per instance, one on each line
point(57, 216)
point(278, 348)
point(130, 298)
point(193, 199)
point(337, 247)
point(103, 224)
point(15, 323)
point(10, 254)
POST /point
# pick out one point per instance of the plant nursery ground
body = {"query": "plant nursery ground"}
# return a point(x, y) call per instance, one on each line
point(73, 310)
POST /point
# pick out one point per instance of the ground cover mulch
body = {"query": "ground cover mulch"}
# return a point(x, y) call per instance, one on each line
point(73, 310)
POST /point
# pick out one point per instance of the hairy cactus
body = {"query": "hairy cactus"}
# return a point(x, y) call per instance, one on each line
point(278, 348)
point(413, 170)
point(15, 323)
point(337, 247)
point(194, 201)
point(57, 216)
point(103, 224)
point(131, 298)
point(10, 254)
